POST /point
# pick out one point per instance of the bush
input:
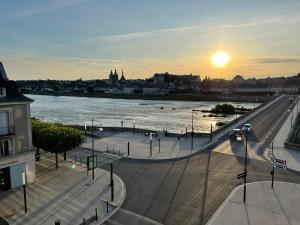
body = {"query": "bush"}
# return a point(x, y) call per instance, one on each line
point(223, 109)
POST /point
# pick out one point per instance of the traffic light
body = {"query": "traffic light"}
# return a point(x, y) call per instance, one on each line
point(242, 175)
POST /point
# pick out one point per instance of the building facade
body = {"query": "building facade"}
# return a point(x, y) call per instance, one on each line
point(17, 157)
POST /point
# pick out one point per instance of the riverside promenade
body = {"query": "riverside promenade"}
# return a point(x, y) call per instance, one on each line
point(164, 148)
point(264, 205)
point(66, 194)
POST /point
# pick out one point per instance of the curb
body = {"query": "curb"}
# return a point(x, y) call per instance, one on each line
point(116, 205)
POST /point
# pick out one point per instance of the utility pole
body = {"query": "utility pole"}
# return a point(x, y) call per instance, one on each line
point(192, 143)
point(150, 136)
point(24, 190)
point(246, 161)
point(93, 148)
point(211, 134)
point(111, 182)
point(272, 173)
point(193, 110)
point(292, 117)
point(158, 144)
point(186, 130)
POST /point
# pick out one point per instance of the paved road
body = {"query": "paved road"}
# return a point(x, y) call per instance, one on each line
point(189, 191)
point(265, 126)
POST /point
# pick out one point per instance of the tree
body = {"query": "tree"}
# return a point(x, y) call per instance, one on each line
point(55, 138)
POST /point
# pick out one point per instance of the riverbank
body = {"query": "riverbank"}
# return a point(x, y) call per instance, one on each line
point(175, 97)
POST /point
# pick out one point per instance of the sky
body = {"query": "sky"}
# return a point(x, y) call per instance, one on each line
point(71, 39)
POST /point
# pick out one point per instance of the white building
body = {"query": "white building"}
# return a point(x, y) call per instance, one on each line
point(17, 158)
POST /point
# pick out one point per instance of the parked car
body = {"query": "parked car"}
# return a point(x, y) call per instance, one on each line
point(235, 135)
point(247, 127)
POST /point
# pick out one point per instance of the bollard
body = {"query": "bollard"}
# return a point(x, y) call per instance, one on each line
point(111, 182)
point(159, 145)
point(57, 222)
point(96, 214)
point(128, 148)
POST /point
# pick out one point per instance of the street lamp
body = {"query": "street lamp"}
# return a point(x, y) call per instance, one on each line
point(133, 125)
point(246, 161)
point(150, 136)
point(193, 110)
point(186, 127)
point(24, 190)
point(93, 147)
point(298, 106)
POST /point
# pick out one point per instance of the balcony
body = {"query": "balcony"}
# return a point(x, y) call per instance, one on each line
point(7, 131)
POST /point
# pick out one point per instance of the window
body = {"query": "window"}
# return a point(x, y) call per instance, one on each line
point(4, 148)
point(4, 129)
point(2, 92)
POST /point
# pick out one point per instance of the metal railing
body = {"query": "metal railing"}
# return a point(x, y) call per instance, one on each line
point(5, 131)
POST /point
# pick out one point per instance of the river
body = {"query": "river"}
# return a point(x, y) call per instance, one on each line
point(147, 114)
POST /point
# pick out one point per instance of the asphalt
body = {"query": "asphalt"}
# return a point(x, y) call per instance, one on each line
point(189, 191)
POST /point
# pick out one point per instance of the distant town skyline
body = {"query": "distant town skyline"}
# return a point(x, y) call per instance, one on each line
point(64, 39)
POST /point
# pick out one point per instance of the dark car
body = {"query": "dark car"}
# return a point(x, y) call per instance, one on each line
point(235, 135)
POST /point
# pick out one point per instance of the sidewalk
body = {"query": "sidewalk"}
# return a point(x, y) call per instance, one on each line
point(170, 147)
point(66, 194)
point(278, 206)
point(291, 156)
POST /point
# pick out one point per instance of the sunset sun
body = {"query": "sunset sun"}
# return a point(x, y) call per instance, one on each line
point(220, 59)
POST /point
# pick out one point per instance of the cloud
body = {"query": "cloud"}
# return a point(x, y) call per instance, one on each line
point(194, 29)
point(277, 60)
point(143, 34)
point(55, 5)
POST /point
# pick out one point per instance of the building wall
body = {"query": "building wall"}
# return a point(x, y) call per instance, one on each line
point(21, 155)
point(22, 123)
point(27, 158)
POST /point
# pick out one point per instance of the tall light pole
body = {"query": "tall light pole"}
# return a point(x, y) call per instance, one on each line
point(150, 136)
point(186, 125)
point(246, 161)
point(93, 147)
point(298, 106)
point(193, 110)
point(24, 190)
point(133, 125)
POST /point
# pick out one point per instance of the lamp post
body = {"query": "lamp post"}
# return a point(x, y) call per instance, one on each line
point(193, 110)
point(93, 148)
point(186, 125)
point(24, 190)
point(158, 143)
point(133, 125)
point(292, 117)
point(211, 132)
point(298, 106)
point(246, 161)
point(150, 136)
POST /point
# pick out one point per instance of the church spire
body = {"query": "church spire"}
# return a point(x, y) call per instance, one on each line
point(122, 77)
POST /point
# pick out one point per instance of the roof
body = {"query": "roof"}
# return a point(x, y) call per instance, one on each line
point(12, 93)
point(3, 76)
